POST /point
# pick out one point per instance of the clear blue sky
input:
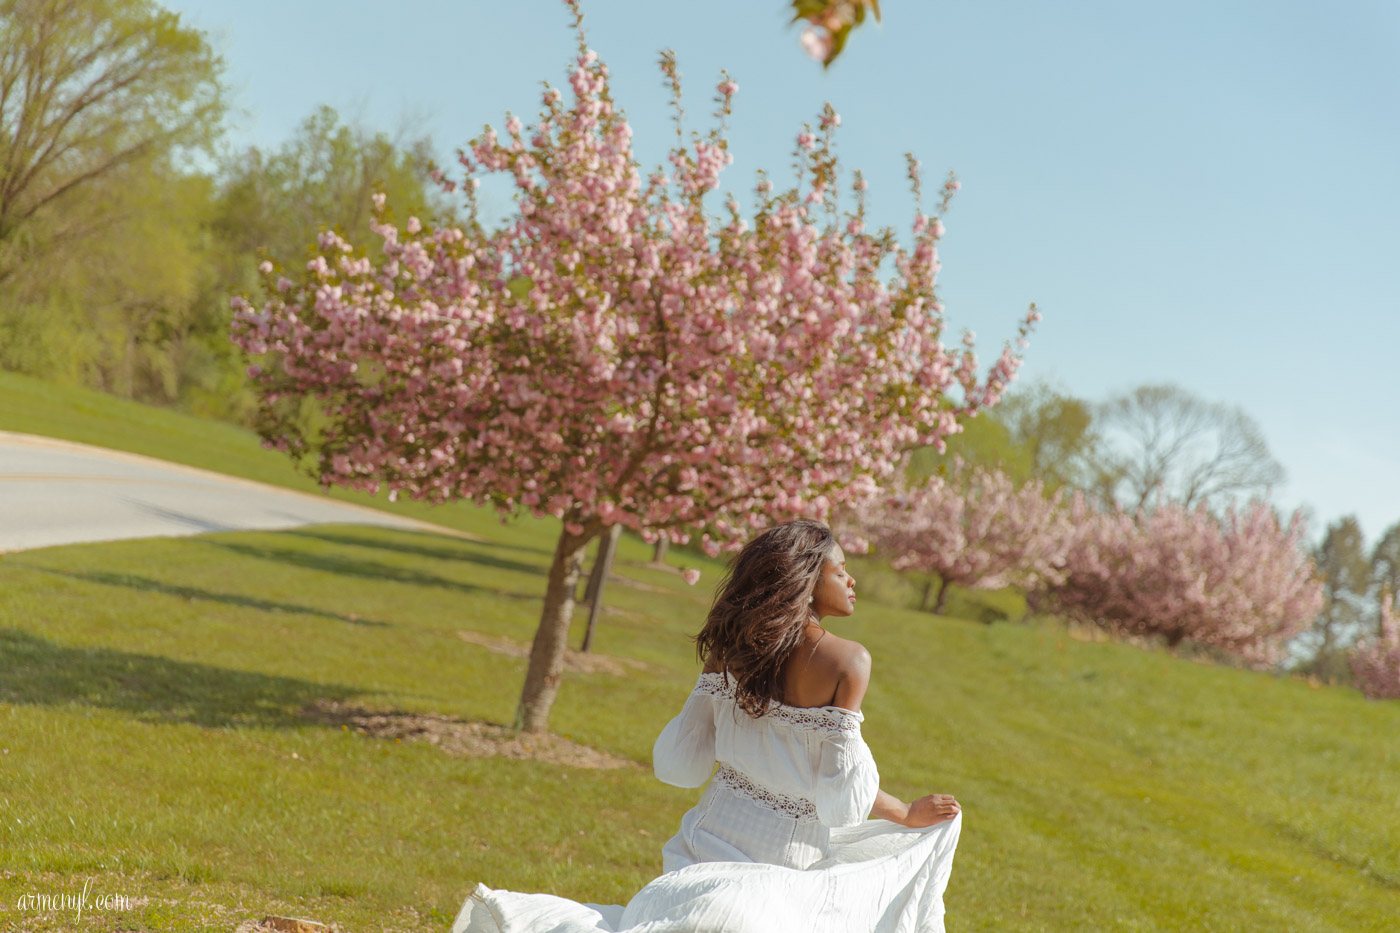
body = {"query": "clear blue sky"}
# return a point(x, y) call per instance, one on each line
point(1199, 192)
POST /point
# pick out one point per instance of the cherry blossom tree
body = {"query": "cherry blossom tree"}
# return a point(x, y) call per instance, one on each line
point(1241, 583)
point(615, 353)
point(1376, 662)
point(972, 526)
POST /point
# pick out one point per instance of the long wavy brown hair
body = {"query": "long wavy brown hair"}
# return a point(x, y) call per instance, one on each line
point(762, 608)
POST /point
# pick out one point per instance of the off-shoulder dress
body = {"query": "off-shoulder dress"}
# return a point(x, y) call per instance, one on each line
point(778, 842)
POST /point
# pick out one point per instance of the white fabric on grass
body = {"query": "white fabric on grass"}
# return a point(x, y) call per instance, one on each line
point(777, 842)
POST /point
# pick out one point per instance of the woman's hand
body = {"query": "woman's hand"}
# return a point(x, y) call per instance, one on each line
point(935, 808)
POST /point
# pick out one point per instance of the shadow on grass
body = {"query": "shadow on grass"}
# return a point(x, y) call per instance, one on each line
point(37, 672)
point(146, 585)
point(364, 569)
point(439, 549)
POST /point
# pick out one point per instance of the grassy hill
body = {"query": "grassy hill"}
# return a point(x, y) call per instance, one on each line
point(180, 724)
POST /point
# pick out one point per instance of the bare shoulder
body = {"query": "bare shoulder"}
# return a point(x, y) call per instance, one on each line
point(833, 672)
point(852, 664)
point(844, 656)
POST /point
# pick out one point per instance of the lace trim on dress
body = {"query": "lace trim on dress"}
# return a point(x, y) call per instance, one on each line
point(826, 718)
point(799, 808)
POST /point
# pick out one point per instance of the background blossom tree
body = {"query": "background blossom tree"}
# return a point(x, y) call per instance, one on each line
point(972, 526)
point(615, 354)
point(1241, 582)
point(1376, 661)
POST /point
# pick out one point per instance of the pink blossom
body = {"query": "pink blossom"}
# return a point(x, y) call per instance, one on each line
point(691, 576)
point(1376, 661)
point(972, 526)
point(816, 44)
point(1240, 582)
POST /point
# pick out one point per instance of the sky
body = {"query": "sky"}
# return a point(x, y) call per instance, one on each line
point(1201, 193)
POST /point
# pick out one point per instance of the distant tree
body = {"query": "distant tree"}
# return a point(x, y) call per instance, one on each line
point(1239, 582)
point(325, 176)
point(1376, 662)
point(1346, 573)
point(87, 88)
point(1059, 436)
point(616, 354)
point(981, 441)
point(1385, 562)
point(1165, 443)
point(973, 526)
point(121, 309)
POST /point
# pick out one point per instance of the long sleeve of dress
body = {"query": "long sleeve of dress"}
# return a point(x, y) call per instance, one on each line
point(684, 753)
point(847, 780)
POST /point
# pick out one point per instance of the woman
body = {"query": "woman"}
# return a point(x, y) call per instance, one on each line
point(779, 840)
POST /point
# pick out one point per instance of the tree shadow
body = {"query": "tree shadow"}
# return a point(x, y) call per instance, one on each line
point(179, 518)
point(440, 549)
point(147, 585)
point(37, 672)
point(545, 552)
point(363, 569)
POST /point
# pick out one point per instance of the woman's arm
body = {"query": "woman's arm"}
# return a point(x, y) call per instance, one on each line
point(926, 811)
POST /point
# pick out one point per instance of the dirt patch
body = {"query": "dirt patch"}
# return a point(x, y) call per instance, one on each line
point(464, 738)
point(574, 661)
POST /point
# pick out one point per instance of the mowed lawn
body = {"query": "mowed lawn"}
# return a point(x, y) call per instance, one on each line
point(163, 736)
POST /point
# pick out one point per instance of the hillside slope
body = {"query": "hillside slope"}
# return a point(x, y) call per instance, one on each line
point(166, 734)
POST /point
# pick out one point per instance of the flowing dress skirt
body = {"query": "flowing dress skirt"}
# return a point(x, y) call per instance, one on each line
point(878, 878)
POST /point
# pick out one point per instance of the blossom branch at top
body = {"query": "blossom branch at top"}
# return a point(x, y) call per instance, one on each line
point(831, 22)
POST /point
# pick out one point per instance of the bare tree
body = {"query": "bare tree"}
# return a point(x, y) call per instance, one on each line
point(90, 86)
point(1164, 442)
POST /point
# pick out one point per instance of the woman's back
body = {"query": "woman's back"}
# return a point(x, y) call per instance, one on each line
point(784, 778)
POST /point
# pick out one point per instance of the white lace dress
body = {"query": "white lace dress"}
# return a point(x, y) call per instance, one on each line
point(778, 842)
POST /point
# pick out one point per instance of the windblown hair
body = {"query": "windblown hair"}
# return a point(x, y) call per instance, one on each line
point(762, 608)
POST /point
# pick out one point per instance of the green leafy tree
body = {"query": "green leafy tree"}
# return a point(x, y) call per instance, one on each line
point(1346, 570)
point(983, 441)
point(89, 88)
point(1057, 434)
point(1385, 562)
point(323, 177)
point(117, 310)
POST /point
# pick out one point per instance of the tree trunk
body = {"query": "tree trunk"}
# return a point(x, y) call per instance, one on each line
point(928, 591)
point(551, 638)
point(942, 597)
point(658, 556)
point(602, 566)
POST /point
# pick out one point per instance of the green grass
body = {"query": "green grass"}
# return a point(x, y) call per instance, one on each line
point(153, 741)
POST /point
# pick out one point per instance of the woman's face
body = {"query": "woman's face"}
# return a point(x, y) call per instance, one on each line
point(835, 594)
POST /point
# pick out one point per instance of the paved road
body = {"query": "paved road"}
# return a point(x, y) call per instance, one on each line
point(58, 492)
